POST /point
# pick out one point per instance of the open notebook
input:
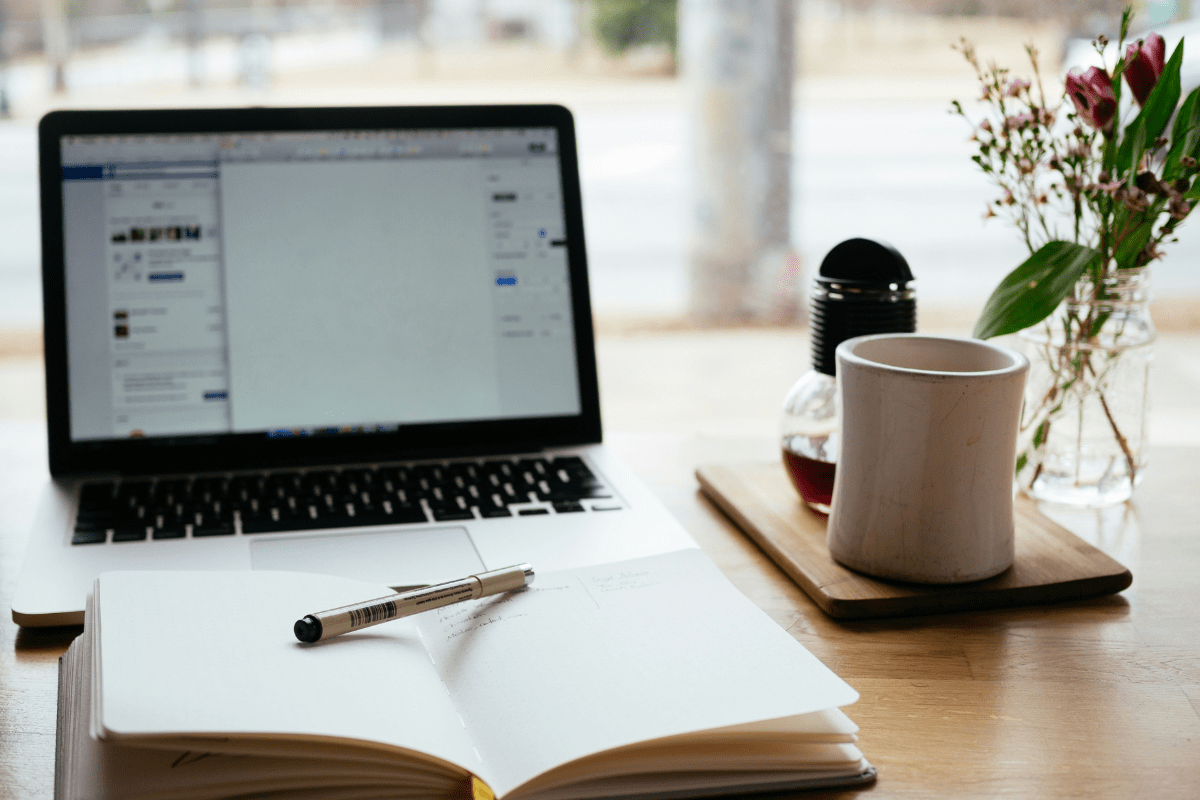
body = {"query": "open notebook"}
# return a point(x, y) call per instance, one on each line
point(649, 678)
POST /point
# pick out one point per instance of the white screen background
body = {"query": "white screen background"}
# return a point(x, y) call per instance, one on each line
point(357, 292)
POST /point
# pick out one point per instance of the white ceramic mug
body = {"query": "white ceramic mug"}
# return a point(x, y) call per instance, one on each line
point(924, 483)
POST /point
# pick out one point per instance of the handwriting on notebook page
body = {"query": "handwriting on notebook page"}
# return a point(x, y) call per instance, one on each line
point(546, 598)
point(459, 620)
point(623, 581)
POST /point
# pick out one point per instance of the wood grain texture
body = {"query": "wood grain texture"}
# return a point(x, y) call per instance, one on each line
point(1052, 564)
point(1089, 699)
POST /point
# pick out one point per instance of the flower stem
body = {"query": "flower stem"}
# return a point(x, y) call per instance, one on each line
point(1129, 460)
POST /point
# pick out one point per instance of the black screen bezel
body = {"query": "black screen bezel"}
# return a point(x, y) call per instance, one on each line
point(257, 450)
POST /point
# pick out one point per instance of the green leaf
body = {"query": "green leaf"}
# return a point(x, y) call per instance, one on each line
point(1139, 146)
point(1155, 115)
point(1117, 70)
point(1098, 323)
point(1160, 105)
point(1188, 116)
point(1039, 433)
point(1127, 251)
point(1030, 292)
point(1185, 136)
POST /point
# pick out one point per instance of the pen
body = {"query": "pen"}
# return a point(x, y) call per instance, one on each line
point(327, 624)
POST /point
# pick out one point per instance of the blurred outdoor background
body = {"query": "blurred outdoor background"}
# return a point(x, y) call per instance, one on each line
point(724, 146)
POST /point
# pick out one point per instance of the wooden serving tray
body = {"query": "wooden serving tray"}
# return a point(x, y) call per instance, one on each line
point(1051, 563)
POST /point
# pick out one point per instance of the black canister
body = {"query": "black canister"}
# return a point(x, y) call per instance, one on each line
point(863, 287)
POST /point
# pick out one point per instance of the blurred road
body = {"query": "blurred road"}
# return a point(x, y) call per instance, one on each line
point(892, 165)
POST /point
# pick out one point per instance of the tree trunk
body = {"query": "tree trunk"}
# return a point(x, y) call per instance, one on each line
point(194, 37)
point(738, 57)
point(55, 42)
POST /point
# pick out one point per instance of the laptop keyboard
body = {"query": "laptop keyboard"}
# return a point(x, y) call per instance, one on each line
point(296, 500)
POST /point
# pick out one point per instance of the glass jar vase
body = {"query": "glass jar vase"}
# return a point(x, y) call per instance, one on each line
point(1084, 423)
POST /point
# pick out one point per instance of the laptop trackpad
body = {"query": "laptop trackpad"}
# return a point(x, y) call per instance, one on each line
point(388, 558)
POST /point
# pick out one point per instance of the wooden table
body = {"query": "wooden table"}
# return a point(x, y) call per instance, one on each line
point(1090, 699)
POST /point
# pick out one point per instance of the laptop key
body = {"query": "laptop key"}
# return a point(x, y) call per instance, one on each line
point(488, 511)
point(567, 507)
point(94, 536)
point(356, 480)
point(397, 513)
point(451, 513)
point(169, 526)
point(593, 492)
point(566, 493)
point(174, 532)
point(570, 463)
point(213, 529)
point(532, 469)
point(169, 493)
point(129, 534)
point(97, 500)
point(132, 495)
point(210, 488)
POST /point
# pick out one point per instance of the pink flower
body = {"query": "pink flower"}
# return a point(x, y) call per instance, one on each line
point(1015, 87)
point(1018, 120)
point(1093, 96)
point(1144, 64)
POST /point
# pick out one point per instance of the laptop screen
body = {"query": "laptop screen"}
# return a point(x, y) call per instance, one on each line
point(314, 283)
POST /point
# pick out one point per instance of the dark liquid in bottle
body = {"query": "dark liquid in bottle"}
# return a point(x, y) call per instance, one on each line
point(812, 479)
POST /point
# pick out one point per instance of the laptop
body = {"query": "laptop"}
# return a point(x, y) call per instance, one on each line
point(354, 341)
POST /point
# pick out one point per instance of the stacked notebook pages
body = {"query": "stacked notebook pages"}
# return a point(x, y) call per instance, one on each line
point(652, 678)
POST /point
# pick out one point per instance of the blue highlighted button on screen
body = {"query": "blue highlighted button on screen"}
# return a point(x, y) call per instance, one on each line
point(506, 280)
